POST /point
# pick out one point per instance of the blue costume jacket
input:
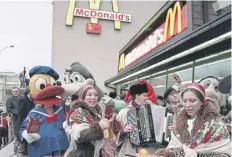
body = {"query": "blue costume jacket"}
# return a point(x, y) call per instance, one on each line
point(53, 136)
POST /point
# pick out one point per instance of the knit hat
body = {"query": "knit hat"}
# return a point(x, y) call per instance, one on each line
point(197, 87)
point(82, 93)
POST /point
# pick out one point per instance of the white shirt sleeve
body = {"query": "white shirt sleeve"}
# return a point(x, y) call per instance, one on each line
point(122, 116)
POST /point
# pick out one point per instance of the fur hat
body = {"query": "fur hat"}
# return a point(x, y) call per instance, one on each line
point(138, 89)
point(151, 92)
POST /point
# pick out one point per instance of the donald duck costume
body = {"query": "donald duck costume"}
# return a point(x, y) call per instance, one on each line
point(51, 139)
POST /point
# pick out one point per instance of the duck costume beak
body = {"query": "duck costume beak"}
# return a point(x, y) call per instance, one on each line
point(43, 86)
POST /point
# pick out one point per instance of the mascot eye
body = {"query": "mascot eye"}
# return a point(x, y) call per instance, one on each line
point(76, 77)
point(58, 83)
point(207, 84)
point(40, 84)
point(67, 79)
point(52, 81)
point(216, 88)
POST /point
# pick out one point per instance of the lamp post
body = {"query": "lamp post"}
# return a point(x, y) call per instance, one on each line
point(11, 46)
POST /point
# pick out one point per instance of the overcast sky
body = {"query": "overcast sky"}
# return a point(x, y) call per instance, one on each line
point(28, 26)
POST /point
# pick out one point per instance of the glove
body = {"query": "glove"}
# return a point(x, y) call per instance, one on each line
point(65, 125)
point(30, 137)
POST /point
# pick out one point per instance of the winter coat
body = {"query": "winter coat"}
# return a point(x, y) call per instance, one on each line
point(84, 130)
point(25, 106)
point(12, 106)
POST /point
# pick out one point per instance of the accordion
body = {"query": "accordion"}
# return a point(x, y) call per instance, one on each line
point(150, 124)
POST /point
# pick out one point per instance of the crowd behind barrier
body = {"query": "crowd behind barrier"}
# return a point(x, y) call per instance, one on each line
point(6, 129)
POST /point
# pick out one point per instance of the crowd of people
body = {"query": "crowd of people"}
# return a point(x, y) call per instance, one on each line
point(84, 127)
point(5, 131)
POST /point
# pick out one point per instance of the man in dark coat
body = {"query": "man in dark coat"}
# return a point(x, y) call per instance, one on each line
point(12, 106)
point(25, 106)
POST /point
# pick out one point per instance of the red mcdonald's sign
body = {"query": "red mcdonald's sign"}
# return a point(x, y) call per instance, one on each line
point(176, 22)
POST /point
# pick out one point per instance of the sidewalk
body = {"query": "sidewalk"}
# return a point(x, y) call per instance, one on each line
point(8, 151)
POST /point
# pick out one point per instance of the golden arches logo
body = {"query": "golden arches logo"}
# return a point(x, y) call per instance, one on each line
point(121, 62)
point(170, 21)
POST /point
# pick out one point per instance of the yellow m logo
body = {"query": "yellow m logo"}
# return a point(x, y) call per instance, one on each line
point(94, 5)
point(121, 62)
point(170, 21)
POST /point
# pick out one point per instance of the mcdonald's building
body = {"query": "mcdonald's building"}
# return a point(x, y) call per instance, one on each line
point(189, 38)
point(92, 32)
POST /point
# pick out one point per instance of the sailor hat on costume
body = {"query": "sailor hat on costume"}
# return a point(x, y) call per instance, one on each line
point(44, 70)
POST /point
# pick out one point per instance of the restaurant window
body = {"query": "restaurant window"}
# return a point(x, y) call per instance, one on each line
point(219, 69)
point(218, 65)
point(184, 72)
point(158, 82)
point(133, 81)
point(125, 86)
point(146, 78)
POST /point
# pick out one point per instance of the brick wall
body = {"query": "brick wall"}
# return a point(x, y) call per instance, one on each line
point(203, 12)
point(198, 19)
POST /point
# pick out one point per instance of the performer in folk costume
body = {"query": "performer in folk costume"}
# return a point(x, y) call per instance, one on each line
point(86, 125)
point(138, 96)
point(151, 96)
point(198, 129)
point(42, 128)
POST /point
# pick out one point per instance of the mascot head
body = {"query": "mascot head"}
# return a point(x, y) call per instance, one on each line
point(210, 84)
point(43, 86)
point(79, 73)
point(151, 93)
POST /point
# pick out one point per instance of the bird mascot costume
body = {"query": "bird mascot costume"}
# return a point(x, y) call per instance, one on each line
point(42, 128)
